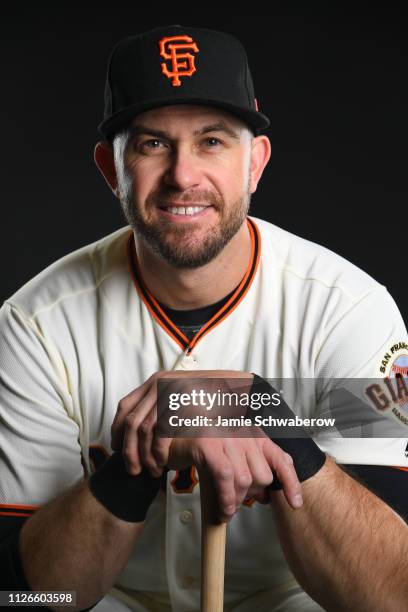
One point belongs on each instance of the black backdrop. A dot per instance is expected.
(334, 86)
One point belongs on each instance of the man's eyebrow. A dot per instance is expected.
(220, 126)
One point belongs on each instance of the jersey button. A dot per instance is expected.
(188, 362)
(186, 516)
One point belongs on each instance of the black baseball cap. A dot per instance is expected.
(178, 65)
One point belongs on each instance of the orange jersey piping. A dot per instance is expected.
(17, 510)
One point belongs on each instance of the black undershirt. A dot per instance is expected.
(191, 321)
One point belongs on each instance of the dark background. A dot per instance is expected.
(334, 86)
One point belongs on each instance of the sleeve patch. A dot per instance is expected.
(390, 395)
(395, 359)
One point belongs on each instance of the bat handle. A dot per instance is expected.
(213, 536)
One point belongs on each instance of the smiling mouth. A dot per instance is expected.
(183, 210)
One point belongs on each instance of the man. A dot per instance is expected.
(193, 288)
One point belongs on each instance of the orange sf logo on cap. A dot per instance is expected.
(170, 49)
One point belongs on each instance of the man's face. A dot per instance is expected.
(183, 177)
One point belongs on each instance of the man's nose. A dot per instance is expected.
(184, 170)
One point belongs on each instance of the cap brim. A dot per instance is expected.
(256, 120)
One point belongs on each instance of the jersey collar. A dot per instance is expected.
(165, 322)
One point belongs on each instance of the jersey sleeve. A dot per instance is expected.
(362, 366)
(40, 453)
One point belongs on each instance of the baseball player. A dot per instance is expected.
(91, 500)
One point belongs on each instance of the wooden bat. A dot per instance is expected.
(213, 536)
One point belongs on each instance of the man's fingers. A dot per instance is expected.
(243, 477)
(261, 472)
(160, 450)
(283, 466)
(222, 473)
(125, 406)
(130, 447)
(132, 424)
(252, 471)
(145, 434)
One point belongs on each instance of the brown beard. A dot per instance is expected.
(176, 244)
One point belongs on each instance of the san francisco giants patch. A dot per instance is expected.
(390, 394)
(395, 351)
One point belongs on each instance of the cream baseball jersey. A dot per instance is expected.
(86, 331)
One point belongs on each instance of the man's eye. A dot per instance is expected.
(146, 146)
(149, 143)
(213, 141)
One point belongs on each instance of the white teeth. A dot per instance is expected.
(189, 210)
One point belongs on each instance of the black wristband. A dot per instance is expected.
(307, 456)
(127, 497)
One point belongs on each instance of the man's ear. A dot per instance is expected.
(103, 156)
(261, 152)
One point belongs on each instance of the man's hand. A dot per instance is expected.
(240, 467)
